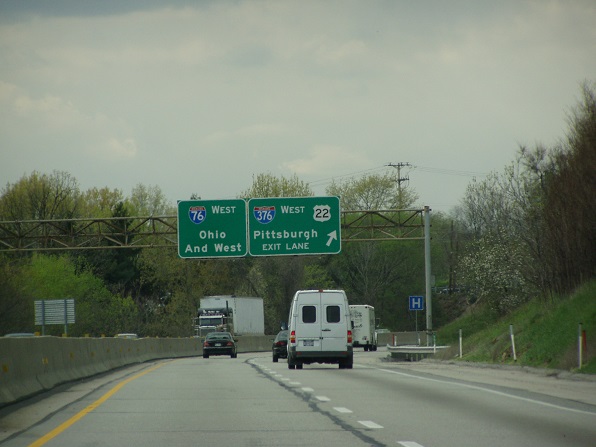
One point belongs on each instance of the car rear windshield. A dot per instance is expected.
(219, 336)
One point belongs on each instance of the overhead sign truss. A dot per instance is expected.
(162, 231)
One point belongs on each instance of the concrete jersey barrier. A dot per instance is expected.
(31, 365)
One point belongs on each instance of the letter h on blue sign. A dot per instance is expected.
(416, 303)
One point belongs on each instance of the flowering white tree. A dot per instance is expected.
(495, 269)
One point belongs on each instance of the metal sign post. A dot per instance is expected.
(416, 304)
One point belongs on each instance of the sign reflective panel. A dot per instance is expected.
(416, 303)
(212, 228)
(279, 226)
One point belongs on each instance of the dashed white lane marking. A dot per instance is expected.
(370, 424)
(342, 410)
(294, 383)
(409, 444)
(323, 398)
(307, 390)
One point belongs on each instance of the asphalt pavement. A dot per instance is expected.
(552, 382)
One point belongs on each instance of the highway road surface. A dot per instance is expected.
(251, 401)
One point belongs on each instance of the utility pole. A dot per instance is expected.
(400, 180)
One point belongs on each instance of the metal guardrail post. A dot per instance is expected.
(512, 342)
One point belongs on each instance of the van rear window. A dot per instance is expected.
(309, 314)
(333, 314)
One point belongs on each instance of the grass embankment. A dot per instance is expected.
(546, 333)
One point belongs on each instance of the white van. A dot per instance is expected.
(320, 329)
(363, 326)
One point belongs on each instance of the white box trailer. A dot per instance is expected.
(247, 313)
(363, 326)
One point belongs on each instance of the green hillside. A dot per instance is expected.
(546, 333)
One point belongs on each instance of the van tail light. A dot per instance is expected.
(349, 336)
(293, 337)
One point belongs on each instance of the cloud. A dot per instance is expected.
(253, 131)
(58, 120)
(120, 149)
(152, 90)
(324, 158)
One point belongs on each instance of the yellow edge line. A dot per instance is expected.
(55, 432)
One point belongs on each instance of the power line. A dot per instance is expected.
(351, 174)
(431, 170)
(444, 171)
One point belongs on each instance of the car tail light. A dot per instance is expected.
(206, 343)
(293, 337)
(349, 336)
(230, 343)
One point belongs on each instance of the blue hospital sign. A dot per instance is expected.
(416, 303)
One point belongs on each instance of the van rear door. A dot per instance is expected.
(321, 325)
(308, 322)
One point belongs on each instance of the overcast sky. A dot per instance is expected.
(198, 97)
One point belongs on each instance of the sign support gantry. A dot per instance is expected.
(112, 233)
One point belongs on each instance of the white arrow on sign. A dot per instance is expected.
(332, 236)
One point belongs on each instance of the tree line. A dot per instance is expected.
(524, 232)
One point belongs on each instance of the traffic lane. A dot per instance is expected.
(438, 411)
(19, 416)
(194, 401)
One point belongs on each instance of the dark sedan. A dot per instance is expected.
(280, 346)
(219, 343)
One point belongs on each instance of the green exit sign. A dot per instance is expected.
(280, 226)
(212, 228)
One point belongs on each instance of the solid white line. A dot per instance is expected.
(409, 444)
(488, 390)
(342, 410)
(370, 424)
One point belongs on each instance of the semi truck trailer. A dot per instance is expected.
(240, 315)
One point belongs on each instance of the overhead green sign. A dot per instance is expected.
(212, 228)
(280, 226)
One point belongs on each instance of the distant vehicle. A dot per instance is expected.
(126, 335)
(320, 329)
(219, 343)
(20, 334)
(280, 346)
(239, 315)
(363, 326)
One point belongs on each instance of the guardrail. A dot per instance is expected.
(413, 353)
(408, 346)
